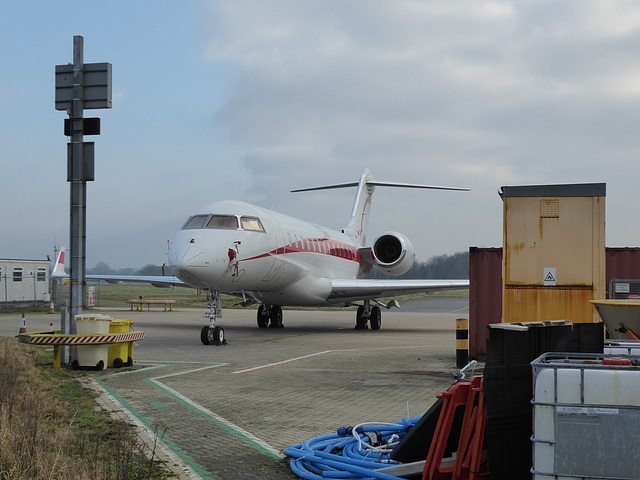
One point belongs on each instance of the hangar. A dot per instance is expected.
(24, 282)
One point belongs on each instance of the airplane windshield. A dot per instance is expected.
(229, 222)
(197, 221)
(223, 221)
(251, 223)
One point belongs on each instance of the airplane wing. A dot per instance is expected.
(159, 281)
(155, 280)
(351, 290)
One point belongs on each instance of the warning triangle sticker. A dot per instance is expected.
(549, 277)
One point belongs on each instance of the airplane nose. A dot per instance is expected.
(190, 261)
(186, 257)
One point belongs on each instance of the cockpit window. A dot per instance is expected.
(251, 223)
(227, 222)
(223, 221)
(197, 221)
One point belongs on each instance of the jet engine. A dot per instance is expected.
(393, 253)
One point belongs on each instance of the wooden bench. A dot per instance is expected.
(140, 303)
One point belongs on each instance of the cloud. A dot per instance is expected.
(221, 99)
(473, 93)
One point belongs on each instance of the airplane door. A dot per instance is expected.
(278, 252)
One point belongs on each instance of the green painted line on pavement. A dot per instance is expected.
(166, 440)
(226, 425)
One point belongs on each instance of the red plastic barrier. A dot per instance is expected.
(471, 458)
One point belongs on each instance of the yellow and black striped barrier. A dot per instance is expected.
(462, 342)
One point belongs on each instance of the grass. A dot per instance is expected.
(115, 295)
(50, 428)
(109, 295)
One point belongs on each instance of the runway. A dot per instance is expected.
(229, 411)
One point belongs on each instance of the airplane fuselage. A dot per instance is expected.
(239, 248)
(266, 257)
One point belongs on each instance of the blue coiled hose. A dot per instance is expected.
(348, 453)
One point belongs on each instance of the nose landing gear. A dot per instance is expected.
(212, 334)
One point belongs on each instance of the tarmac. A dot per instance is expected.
(227, 412)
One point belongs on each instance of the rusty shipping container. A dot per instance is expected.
(485, 296)
(485, 293)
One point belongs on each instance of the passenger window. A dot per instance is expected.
(229, 222)
(251, 223)
(197, 221)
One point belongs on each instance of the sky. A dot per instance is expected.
(250, 99)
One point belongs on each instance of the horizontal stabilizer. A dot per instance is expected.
(358, 221)
(377, 183)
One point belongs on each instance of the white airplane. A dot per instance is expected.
(266, 257)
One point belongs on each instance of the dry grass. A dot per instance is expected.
(49, 428)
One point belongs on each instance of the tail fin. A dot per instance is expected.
(357, 226)
(359, 220)
(58, 268)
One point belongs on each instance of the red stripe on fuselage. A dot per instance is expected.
(322, 246)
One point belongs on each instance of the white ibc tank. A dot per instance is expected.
(93, 356)
(621, 348)
(586, 416)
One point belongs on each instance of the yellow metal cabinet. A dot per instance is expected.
(554, 252)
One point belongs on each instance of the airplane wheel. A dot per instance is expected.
(263, 318)
(361, 322)
(276, 317)
(218, 336)
(204, 335)
(376, 318)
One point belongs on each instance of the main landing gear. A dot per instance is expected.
(269, 316)
(368, 313)
(212, 335)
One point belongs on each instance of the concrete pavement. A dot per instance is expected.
(229, 411)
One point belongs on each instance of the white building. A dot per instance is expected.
(23, 281)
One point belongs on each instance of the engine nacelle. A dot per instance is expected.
(393, 253)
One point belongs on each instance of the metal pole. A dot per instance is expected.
(64, 349)
(78, 187)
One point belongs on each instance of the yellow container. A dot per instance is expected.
(92, 356)
(120, 353)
